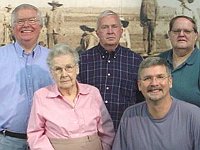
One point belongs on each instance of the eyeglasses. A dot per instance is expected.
(185, 31)
(67, 68)
(30, 21)
(105, 27)
(158, 78)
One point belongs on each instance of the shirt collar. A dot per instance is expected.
(105, 53)
(190, 60)
(82, 89)
(20, 50)
(54, 92)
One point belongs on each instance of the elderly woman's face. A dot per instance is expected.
(65, 71)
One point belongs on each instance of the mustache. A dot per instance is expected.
(152, 88)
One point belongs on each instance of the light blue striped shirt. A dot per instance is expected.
(21, 75)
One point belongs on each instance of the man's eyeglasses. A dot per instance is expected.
(178, 31)
(158, 78)
(67, 68)
(30, 21)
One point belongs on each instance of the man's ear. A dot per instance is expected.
(139, 85)
(97, 33)
(77, 69)
(170, 82)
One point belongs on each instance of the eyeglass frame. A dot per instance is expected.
(159, 78)
(30, 21)
(68, 68)
(185, 31)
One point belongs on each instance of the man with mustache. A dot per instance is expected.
(111, 67)
(184, 59)
(162, 122)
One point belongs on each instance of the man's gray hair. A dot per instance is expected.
(14, 13)
(59, 50)
(153, 61)
(107, 13)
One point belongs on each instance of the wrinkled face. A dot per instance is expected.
(155, 83)
(182, 35)
(64, 72)
(27, 28)
(109, 31)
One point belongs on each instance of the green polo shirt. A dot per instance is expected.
(186, 77)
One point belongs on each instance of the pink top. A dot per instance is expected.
(53, 117)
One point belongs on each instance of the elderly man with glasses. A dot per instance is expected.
(23, 71)
(184, 59)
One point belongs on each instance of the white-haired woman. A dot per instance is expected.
(68, 114)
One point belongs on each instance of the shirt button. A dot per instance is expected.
(106, 101)
(103, 56)
(107, 88)
(108, 61)
(108, 74)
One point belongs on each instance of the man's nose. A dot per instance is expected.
(26, 23)
(110, 30)
(154, 80)
(182, 33)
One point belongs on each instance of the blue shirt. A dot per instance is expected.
(114, 74)
(21, 75)
(186, 77)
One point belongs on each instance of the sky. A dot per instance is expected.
(90, 3)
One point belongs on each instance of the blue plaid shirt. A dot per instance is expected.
(114, 74)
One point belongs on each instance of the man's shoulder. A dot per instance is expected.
(44, 49)
(136, 109)
(187, 107)
(189, 112)
(90, 52)
(87, 88)
(165, 54)
(130, 53)
(6, 49)
(197, 52)
(7, 46)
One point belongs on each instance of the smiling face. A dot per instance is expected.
(27, 32)
(155, 83)
(109, 31)
(182, 35)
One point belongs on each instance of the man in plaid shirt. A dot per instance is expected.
(111, 67)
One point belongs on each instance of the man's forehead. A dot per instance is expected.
(155, 69)
(183, 21)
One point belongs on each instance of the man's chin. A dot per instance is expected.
(111, 43)
(154, 97)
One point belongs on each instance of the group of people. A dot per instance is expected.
(58, 99)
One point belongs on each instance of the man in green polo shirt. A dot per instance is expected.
(184, 59)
